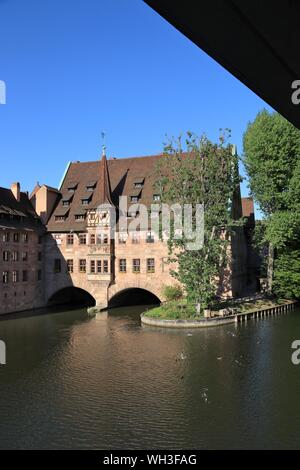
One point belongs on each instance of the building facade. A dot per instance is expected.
(21, 252)
(57, 242)
(79, 248)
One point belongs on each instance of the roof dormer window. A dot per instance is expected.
(138, 182)
(72, 186)
(91, 185)
(86, 199)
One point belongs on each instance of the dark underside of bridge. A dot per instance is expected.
(256, 40)
(134, 296)
(72, 296)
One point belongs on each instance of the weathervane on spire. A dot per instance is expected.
(103, 143)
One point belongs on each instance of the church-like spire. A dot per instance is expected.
(105, 190)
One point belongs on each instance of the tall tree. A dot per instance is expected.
(271, 158)
(205, 173)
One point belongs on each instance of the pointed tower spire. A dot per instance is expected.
(105, 190)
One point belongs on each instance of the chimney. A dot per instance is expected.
(15, 189)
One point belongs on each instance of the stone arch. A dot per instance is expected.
(71, 295)
(129, 287)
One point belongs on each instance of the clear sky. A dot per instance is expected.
(75, 68)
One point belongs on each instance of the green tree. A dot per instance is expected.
(271, 159)
(205, 173)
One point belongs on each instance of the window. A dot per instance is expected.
(156, 197)
(59, 218)
(57, 265)
(15, 276)
(91, 185)
(93, 266)
(5, 255)
(122, 238)
(85, 202)
(134, 198)
(105, 266)
(5, 237)
(70, 239)
(79, 217)
(25, 237)
(39, 256)
(105, 238)
(5, 277)
(135, 238)
(82, 265)
(99, 266)
(25, 276)
(122, 265)
(15, 255)
(65, 203)
(82, 239)
(150, 237)
(150, 265)
(92, 239)
(24, 256)
(70, 265)
(72, 186)
(138, 185)
(136, 265)
(39, 275)
(16, 237)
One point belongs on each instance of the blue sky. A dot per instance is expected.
(76, 68)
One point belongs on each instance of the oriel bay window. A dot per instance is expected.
(122, 265)
(105, 266)
(82, 265)
(150, 265)
(96, 266)
(93, 266)
(136, 265)
(99, 266)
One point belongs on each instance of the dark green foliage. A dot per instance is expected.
(272, 161)
(172, 292)
(205, 173)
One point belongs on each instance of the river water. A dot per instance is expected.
(107, 382)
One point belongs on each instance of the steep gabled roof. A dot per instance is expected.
(9, 206)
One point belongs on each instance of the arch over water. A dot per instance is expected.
(72, 295)
(133, 296)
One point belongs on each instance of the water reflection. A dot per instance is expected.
(107, 382)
